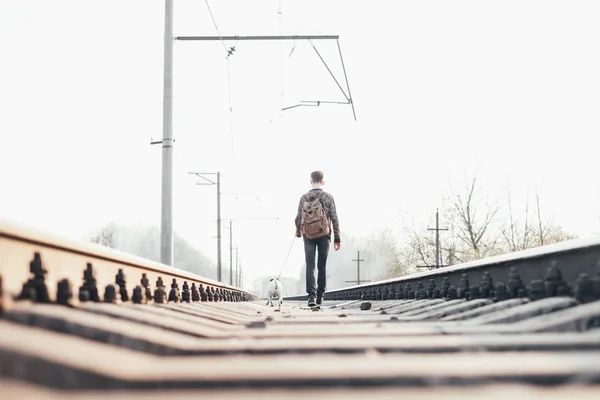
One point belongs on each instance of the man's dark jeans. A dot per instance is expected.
(321, 247)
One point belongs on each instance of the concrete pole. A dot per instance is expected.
(219, 268)
(437, 239)
(231, 252)
(166, 227)
(237, 270)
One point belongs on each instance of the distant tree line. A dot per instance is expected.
(481, 225)
(144, 241)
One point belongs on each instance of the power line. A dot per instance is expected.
(215, 23)
(229, 52)
(269, 13)
(281, 78)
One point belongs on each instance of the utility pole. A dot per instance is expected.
(231, 251)
(166, 225)
(437, 230)
(241, 277)
(437, 237)
(358, 260)
(218, 183)
(237, 263)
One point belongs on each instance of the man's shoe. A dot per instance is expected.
(319, 299)
(311, 301)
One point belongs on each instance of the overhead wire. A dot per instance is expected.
(229, 52)
(287, 20)
(215, 24)
(281, 77)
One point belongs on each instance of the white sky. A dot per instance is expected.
(439, 87)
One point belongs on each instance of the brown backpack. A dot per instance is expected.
(314, 223)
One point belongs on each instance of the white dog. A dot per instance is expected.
(275, 292)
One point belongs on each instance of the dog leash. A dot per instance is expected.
(286, 257)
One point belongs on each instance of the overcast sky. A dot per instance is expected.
(440, 88)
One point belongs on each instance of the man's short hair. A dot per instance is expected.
(316, 176)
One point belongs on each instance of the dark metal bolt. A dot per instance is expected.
(501, 292)
(174, 295)
(584, 290)
(110, 294)
(452, 293)
(463, 287)
(445, 286)
(186, 296)
(410, 294)
(537, 291)
(35, 288)
(195, 292)
(146, 284)
(553, 279)
(400, 293)
(137, 297)
(430, 288)
(64, 293)
(514, 283)
(391, 292)
(120, 280)
(486, 286)
(160, 294)
(384, 293)
(89, 291)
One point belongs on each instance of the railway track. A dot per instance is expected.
(83, 321)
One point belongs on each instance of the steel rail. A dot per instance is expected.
(61, 265)
(569, 263)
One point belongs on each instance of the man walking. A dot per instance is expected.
(315, 217)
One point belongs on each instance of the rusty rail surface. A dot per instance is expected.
(46, 268)
(65, 335)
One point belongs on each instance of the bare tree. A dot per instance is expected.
(419, 247)
(532, 230)
(105, 236)
(547, 232)
(539, 216)
(477, 230)
(517, 234)
(472, 218)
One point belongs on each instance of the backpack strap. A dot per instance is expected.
(307, 197)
